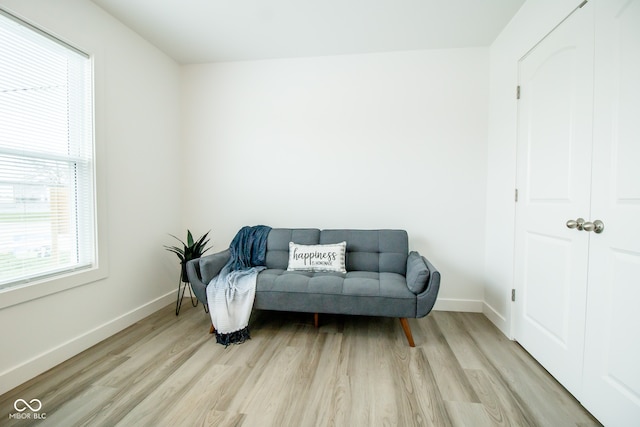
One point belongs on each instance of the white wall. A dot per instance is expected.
(138, 127)
(392, 140)
(534, 20)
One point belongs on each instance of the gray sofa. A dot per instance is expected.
(383, 278)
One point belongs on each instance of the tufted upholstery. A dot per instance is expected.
(278, 244)
(367, 250)
(372, 250)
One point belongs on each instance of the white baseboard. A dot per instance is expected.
(444, 304)
(47, 360)
(475, 306)
(497, 319)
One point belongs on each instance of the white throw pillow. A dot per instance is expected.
(317, 257)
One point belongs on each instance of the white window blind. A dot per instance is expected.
(47, 214)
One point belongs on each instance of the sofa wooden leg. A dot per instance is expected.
(316, 320)
(212, 329)
(407, 331)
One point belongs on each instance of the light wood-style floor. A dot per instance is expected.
(352, 371)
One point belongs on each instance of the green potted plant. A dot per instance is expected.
(191, 249)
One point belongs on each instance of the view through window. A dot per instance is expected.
(47, 214)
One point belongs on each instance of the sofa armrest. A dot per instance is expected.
(210, 265)
(427, 298)
(195, 280)
(200, 271)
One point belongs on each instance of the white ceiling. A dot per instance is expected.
(202, 31)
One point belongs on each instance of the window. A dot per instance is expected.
(47, 200)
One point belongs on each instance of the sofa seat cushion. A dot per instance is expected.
(356, 292)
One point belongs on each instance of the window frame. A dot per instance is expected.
(44, 285)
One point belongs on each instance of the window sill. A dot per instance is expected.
(41, 288)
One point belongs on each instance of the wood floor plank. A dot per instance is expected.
(464, 414)
(495, 392)
(141, 359)
(199, 402)
(360, 374)
(137, 385)
(73, 411)
(459, 340)
(450, 376)
(173, 389)
(54, 392)
(298, 392)
(326, 390)
(382, 376)
(351, 371)
(541, 396)
(417, 393)
(499, 406)
(271, 391)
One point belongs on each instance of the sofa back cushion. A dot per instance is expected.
(383, 251)
(278, 244)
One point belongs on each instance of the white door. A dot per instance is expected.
(612, 351)
(553, 180)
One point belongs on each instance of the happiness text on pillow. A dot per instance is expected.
(315, 257)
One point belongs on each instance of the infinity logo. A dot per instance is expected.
(37, 405)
